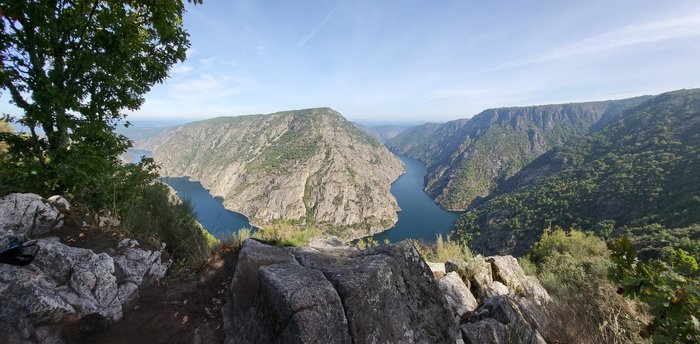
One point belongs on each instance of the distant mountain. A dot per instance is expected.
(383, 132)
(637, 175)
(142, 129)
(305, 167)
(468, 158)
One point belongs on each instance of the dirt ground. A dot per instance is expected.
(183, 307)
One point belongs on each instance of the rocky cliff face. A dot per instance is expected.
(637, 171)
(467, 159)
(330, 293)
(309, 166)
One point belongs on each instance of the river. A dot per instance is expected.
(420, 217)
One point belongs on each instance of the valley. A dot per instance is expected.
(507, 167)
(307, 168)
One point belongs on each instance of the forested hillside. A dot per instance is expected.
(467, 159)
(638, 175)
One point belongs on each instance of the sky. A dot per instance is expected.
(413, 60)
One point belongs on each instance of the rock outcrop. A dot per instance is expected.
(494, 302)
(335, 294)
(331, 293)
(311, 166)
(64, 284)
(26, 215)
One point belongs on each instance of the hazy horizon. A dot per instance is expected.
(421, 61)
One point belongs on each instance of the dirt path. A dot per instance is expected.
(181, 309)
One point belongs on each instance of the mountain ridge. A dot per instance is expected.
(634, 175)
(468, 158)
(306, 167)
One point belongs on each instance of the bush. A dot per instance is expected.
(670, 287)
(152, 215)
(573, 267)
(443, 249)
(365, 242)
(285, 233)
(236, 239)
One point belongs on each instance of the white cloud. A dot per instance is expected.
(181, 70)
(206, 89)
(316, 29)
(209, 61)
(655, 31)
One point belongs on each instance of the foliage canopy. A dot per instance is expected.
(73, 68)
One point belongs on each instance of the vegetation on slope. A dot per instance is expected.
(636, 172)
(467, 159)
(307, 167)
(573, 266)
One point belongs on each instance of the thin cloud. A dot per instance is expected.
(181, 70)
(206, 87)
(208, 62)
(661, 30)
(318, 27)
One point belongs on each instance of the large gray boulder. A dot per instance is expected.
(520, 317)
(64, 284)
(294, 304)
(26, 214)
(507, 270)
(457, 294)
(386, 294)
(488, 331)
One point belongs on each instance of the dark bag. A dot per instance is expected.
(19, 253)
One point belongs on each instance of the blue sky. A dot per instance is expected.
(425, 60)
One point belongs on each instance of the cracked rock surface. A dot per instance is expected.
(64, 284)
(385, 294)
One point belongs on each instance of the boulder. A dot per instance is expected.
(133, 264)
(507, 270)
(294, 304)
(60, 203)
(27, 215)
(65, 284)
(387, 293)
(488, 331)
(438, 269)
(507, 310)
(457, 294)
(480, 277)
(492, 289)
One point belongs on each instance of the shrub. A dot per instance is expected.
(152, 216)
(366, 242)
(573, 267)
(670, 287)
(443, 249)
(285, 233)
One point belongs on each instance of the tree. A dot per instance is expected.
(74, 68)
(4, 128)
